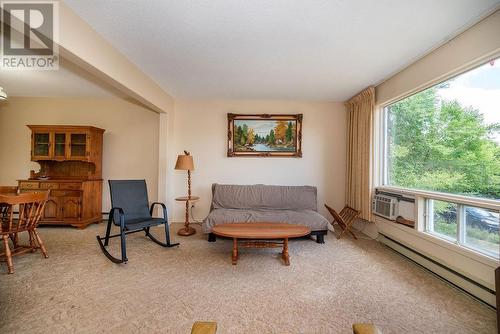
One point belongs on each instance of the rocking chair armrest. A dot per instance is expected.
(164, 209)
(121, 214)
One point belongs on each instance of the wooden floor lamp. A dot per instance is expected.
(185, 162)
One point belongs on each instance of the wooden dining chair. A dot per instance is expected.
(31, 207)
(344, 219)
(6, 190)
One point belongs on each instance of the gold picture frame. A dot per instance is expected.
(264, 135)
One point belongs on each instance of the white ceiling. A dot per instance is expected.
(266, 49)
(279, 49)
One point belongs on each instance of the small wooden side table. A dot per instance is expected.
(187, 230)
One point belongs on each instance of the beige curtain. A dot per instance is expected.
(359, 141)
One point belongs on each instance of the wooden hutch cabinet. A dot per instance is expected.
(70, 159)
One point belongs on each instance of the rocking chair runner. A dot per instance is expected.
(344, 219)
(129, 201)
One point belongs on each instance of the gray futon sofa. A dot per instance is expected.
(264, 203)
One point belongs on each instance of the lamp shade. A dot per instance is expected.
(184, 162)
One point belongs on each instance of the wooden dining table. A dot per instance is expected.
(30, 207)
(6, 191)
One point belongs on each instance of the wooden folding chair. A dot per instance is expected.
(344, 219)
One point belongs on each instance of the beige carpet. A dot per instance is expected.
(326, 289)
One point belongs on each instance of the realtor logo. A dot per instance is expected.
(30, 31)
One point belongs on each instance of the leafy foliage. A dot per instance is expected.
(289, 132)
(442, 146)
(280, 131)
(272, 138)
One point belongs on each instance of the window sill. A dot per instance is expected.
(471, 254)
(454, 243)
(472, 201)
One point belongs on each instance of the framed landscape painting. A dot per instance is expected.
(264, 135)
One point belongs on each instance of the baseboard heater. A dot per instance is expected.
(465, 284)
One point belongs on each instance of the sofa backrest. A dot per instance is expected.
(260, 196)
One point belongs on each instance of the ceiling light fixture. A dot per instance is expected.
(3, 94)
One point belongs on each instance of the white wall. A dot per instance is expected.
(201, 128)
(130, 148)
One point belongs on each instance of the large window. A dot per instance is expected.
(447, 137)
(468, 226)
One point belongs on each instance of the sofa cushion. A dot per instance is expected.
(309, 218)
(261, 196)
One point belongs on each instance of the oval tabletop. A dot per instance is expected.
(260, 230)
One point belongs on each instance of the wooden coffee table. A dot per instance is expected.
(261, 235)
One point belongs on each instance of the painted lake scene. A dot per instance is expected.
(265, 135)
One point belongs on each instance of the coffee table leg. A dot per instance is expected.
(235, 251)
(285, 255)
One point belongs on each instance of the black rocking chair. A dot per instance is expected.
(129, 201)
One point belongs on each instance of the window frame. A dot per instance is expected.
(461, 220)
(383, 118)
(420, 220)
(429, 226)
(385, 147)
(381, 176)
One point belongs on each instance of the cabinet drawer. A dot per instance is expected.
(49, 185)
(28, 185)
(70, 186)
(65, 193)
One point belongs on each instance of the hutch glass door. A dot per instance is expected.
(78, 146)
(59, 145)
(41, 144)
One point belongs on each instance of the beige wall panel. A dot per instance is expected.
(201, 128)
(130, 141)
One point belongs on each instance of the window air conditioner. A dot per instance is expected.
(385, 206)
